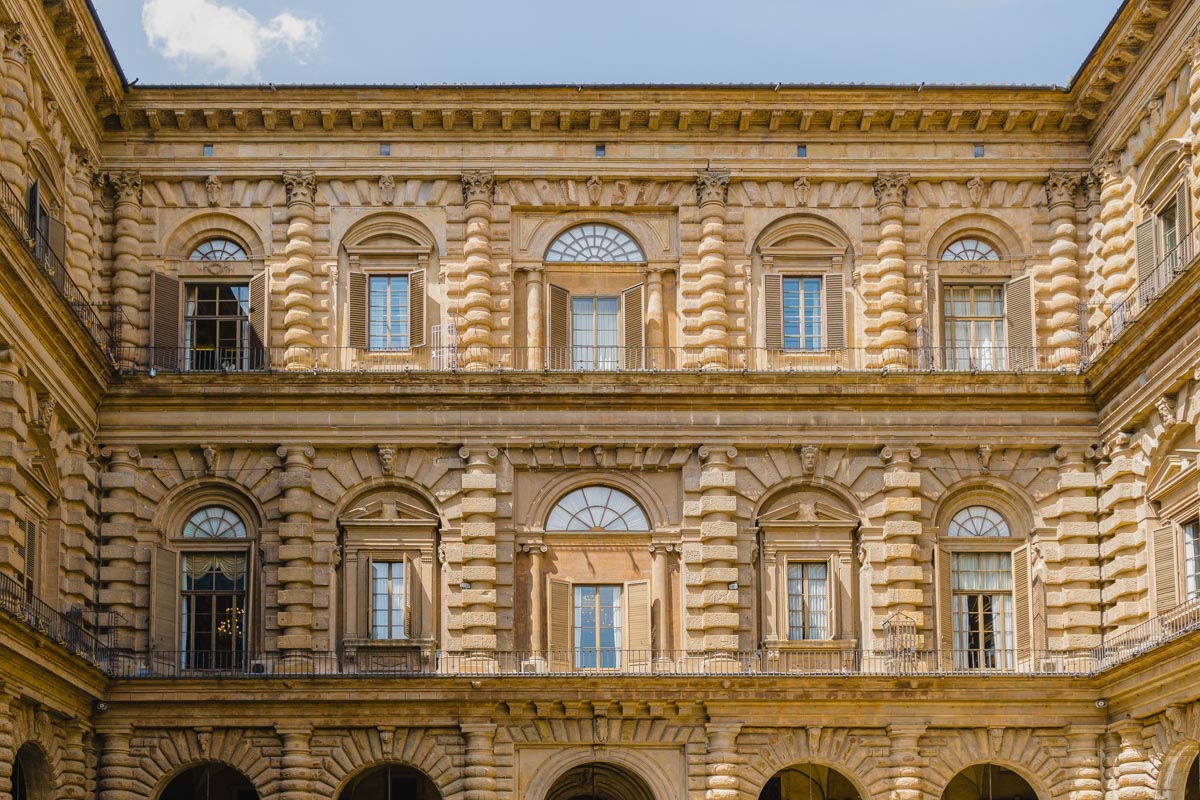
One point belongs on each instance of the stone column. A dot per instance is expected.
(905, 764)
(1192, 49)
(1116, 244)
(8, 745)
(660, 574)
(535, 338)
(1083, 763)
(1133, 770)
(1123, 562)
(1075, 553)
(479, 550)
(13, 433)
(655, 315)
(537, 584)
(74, 762)
(14, 114)
(129, 287)
(296, 554)
(1058, 285)
(115, 773)
(296, 764)
(886, 289)
(78, 507)
(299, 284)
(480, 783)
(722, 767)
(712, 190)
(118, 539)
(81, 173)
(476, 309)
(718, 603)
(899, 583)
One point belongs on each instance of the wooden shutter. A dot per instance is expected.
(560, 630)
(416, 309)
(31, 556)
(835, 311)
(1018, 310)
(558, 323)
(773, 311)
(409, 573)
(58, 246)
(165, 321)
(1146, 257)
(1166, 570)
(33, 208)
(1022, 613)
(945, 604)
(1183, 226)
(633, 325)
(356, 311)
(260, 319)
(637, 639)
(164, 600)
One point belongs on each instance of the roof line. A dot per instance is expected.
(112, 53)
(1112, 23)
(605, 86)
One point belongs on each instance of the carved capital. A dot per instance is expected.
(715, 456)
(476, 454)
(296, 455)
(899, 454)
(16, 46)
(85, 167)
(1108, 167)
(300, 187)
(712, 187)
(534, 548)
(121, 456)
(127, 186)
(1191, 46)
(1062, 187)
(479, 186)
(891, 188)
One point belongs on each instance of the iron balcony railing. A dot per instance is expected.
(101, 321)
(1150, 634)
(582, 360)
(69, 630)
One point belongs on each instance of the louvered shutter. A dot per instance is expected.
(58, 250)
(1183, 227)
(164, 600)
(416, 309)
(633, 326)
(260, 319)
(165, 322)
(560, 639)
(1147, 257)
(773, 311)
(31, 557)
(1166, 570)
(559, 328)
(638, 641)
(253, 571)
(356, 311)
(409, 572)
(1018, 309)
(835, 311)
(945, 605)
(1022, 613)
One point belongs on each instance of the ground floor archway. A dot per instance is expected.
(809, 782)
(390, 782)
(209, 782)
(1191, 788)
(988, 782)
(31, 778)
(599, 781)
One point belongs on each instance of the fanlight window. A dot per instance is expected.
(219, 250)
(214, 522)
(978, 521)
(597, 508)
(594, 244)
(970, 250)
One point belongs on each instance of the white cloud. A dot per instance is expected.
(224, 37)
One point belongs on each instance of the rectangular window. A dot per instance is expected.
(1191, 555)
(216, 322)
(983, 617)
(808, 600)
(803, 314)
(975, 327)
(214, 610)
(594, 337)
(597, 627)
(387, 314)
(387, 600)
(1168, 221)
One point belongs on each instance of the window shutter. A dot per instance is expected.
(1022, 614)
(1146, 257)
(835, 311)
(409, 572)
(31, 556)
(559, 328)
(634, 326)
(58, 246)
(164, 326)
(1183, 225)
(1018, 311)
(33, 207)
(945, 605)
(416, 310)
(773, 311)
(164, 600)
(1166, 595)
(356, 311)
(560, 628)
(260, 318)
(638, 641)
(253, 570)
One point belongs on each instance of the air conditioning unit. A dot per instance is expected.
(260, 667)
(1049, 665)
(533, 666)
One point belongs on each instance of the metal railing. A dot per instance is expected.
(1150, 286)
(69, 630)
(1148, 635)
(584, 360)
(99, 320)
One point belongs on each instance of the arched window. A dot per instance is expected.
(594, 243)
(597, 508)
(213, 600)
(214, 522)
(219, 249)
(970, 249)
(978, 521)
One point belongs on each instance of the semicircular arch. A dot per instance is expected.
(1159, 168)
(388, 226)
(1014, 752)
(799, 231)
(842, 495)
(1010, 500)
(653, 775)
(421, 749)
(636, 487)
(990, 229)
(185, 499)
(845, 754)
(194, 230)
(175, 751)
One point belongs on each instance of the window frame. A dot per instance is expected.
(598, 363)
(243, 350)
(798, 559)
(1191, 559)
(406, 571)
(597, 652)
(390, 275)
(997, 358)
(822, 310)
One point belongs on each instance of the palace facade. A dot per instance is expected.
(614, 442)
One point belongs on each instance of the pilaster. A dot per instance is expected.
(117, 769)
(8, 745)
(712, 190)
(129, 288)
(713, 568)
(479, 549)
(535, 331)
(118, 538)
(1057, 286)
(655, 315)
(1123, 562)
(81, 172)
(1192, 49)
(74, 761)
(722, 763)
(481, 756)
(299, 284)
(477, 302)
(906, 765)
(1116, 243)
(77, 504)
(296, 764)
(13, 117)
(886, 288)
(13, 433)
(1133, 770)
(1083, 763)
(901, 581)
(296, 552)
(1074, 556)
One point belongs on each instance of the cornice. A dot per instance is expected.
(1112, 60)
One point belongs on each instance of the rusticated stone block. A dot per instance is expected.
(900, 505)
(901, 480)
(483, 481)
(717, 505)
(718, 479)
(479, 505)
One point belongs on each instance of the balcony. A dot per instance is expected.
(69, 630)
(610, 360)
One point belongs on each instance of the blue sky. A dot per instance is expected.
(603, 41)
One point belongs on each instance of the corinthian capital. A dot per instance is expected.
(1061, 187)
(300, 187)
(127, 186)
(891, 188)
(712, 187)
(479, 186)
(16, 46)
(1108, 167)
